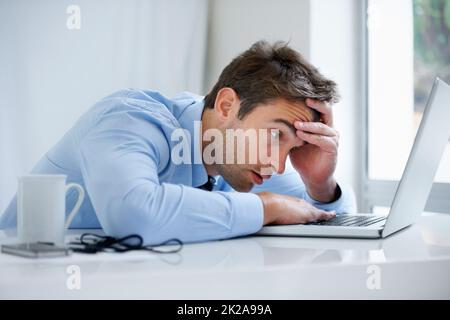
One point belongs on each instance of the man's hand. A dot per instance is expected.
(282, 209)
(316, 160)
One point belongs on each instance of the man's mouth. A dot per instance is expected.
(258, 178)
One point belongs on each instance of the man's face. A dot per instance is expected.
(278, 115)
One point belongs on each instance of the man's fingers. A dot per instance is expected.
(320, 215)
(330, 215)
(329, 144)
(316, 127)
(322, 107)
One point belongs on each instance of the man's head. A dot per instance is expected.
(265, 87)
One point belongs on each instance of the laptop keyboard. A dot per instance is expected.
(349, 220)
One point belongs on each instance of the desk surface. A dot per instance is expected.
(414, 263)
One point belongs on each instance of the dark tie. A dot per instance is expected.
(208, 186)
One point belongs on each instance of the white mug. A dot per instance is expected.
(41, 208)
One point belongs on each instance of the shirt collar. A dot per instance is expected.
(187, 120)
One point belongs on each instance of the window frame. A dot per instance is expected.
(381, 192)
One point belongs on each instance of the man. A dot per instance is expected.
(124, 153)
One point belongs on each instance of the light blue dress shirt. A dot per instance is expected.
(119, 151)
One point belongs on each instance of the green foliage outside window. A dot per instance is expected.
(431, 46)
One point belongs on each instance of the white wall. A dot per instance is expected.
(234, 25)
(335, 48)
(50, 75)
(325, 31)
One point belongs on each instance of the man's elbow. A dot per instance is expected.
(124, 216)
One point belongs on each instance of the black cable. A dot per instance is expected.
(93, 243)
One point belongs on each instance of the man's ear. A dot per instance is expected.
(227, 104)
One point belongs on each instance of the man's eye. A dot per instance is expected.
(275, 134)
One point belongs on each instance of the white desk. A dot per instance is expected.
(414, 263)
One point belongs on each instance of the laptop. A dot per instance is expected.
(412, 191)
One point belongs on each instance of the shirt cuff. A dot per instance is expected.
(248, 211)
(341, 205)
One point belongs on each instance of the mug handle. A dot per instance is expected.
(77, 204)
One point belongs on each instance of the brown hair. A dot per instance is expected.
(266, 72)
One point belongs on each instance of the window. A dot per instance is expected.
(407, 46)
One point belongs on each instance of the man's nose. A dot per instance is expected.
(281, 161)
(276, 164)
(281, 167)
